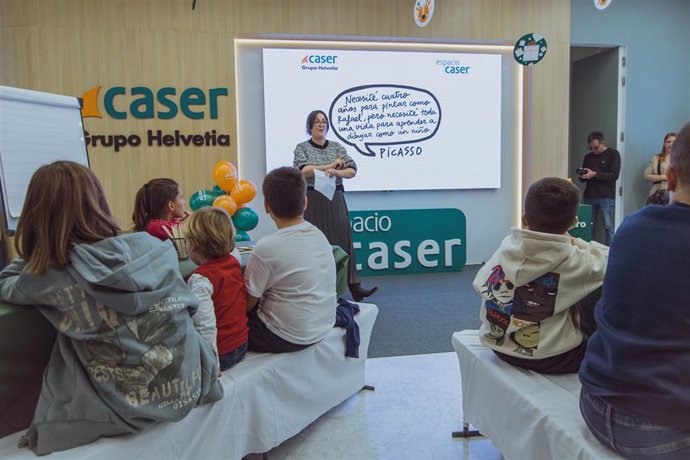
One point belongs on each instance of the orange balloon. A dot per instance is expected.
(225, 175)
(227, 203)
(243, 192)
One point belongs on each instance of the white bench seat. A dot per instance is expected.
(525, 414)
(268, 399)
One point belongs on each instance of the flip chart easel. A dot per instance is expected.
(36, 128)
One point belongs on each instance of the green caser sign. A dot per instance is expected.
(409, 241)
(583, 229)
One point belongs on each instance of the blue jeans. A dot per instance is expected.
(235, 356)
(631, 436)
(608, 211)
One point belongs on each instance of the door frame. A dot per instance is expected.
(620, 113)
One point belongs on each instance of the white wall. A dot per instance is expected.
(656, 37)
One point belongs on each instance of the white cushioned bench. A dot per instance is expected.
(525, 414)
(268, 399)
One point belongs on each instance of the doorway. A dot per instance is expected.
(597, 103)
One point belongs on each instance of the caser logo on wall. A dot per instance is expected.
(143, 103)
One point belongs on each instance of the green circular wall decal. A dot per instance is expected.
(530, 49)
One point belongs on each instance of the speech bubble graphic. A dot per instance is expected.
(384, 114)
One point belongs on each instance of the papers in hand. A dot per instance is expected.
(324, 184)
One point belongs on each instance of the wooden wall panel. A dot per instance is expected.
(69, 46)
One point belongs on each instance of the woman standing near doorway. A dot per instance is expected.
(656, 172)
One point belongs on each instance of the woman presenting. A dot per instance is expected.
(330, 216)
(656, 170)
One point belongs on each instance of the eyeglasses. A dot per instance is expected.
(320, 122)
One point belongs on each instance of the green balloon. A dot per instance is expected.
(242, 236)
(201, 199)
(218, 191)
(245, 219)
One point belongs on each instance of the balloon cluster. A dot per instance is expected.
(232, 195)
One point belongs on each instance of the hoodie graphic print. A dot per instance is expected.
(528, 288)
(126, 355)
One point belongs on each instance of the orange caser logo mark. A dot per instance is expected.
(90, 100)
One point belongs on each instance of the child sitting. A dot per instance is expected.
(218, 283)
(532, 285)
(290, 275)
(121, 311)
(158, 206)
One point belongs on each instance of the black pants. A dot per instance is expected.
(262, 339)
(333, 219)
(565, 363)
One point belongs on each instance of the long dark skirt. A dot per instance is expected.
(332, 218)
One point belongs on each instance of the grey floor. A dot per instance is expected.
(419, 313)
(417, 403)
(416, 406)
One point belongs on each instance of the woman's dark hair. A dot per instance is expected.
(284, 191)
(312, 117)
(65, 205)
(151, 201)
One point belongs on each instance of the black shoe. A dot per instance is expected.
(359, 293)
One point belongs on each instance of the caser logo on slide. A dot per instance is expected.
(316, 62)
(145, 104)
(319, 59)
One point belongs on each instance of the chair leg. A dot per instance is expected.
(466, 432)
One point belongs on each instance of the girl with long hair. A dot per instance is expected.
(126, 354)
(158, 206)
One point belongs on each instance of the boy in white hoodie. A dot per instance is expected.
(533, 287)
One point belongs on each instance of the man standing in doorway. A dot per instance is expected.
(601, 168)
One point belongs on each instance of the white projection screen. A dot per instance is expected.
(476, 153)
(411, 120)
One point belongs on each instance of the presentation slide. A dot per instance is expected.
(410, 120)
